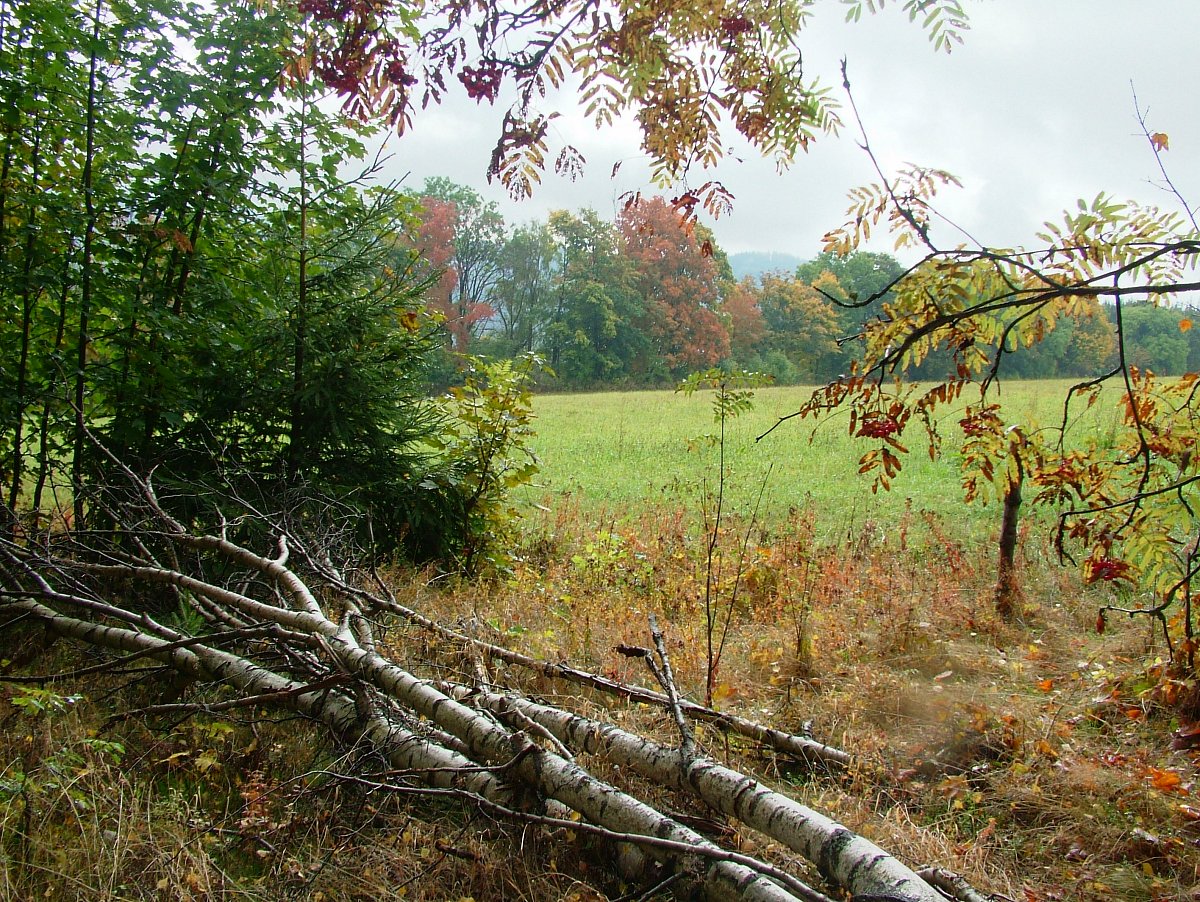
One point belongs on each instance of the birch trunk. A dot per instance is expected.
(843, 857)
(549, 774)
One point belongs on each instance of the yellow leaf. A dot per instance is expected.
(1159, 141)
(723, 692)
(1185, 324)
(206, 761)
(1046, 749)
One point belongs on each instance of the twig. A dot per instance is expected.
(112, 666)
(526, 723)
(687, 742)
(641, 894)
(1141, 114)
(248, 701)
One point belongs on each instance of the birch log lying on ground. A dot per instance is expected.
(306, 644)
(845, 859)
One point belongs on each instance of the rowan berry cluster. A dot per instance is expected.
(878, 427)
(975, 426)
(483, 81)
(343, 72)
(397, 73)
(735, 25)
(1106, 569)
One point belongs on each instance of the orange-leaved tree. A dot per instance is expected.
(678, 280)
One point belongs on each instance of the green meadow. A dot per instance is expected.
(612, 452)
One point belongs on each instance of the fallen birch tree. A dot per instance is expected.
(288, 630)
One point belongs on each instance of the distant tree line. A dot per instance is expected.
(644, 300)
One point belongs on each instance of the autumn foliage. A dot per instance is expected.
(678, 283)
(1125, 503)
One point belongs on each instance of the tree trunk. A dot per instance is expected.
(91, 218)
(1008, 590)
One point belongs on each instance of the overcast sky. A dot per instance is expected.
(1033, 111)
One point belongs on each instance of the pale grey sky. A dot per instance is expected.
(1034, 111)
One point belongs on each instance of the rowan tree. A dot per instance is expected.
(1125, 502)
(683, 72)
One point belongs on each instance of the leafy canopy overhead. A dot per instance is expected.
(682, 69)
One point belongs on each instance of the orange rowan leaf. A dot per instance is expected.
(1164, 780)
(1185, 324)
(1160, 141)
(1045, 685)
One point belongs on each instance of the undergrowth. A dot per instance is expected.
(1034, 758)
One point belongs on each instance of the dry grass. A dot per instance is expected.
(1033, 758)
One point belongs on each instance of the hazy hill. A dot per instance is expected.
(755, 263)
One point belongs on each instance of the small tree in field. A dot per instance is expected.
(1127, 509)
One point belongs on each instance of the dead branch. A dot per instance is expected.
(687, 742)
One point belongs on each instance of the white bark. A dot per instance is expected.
(402, 748)
(489, 743)
(843, 857)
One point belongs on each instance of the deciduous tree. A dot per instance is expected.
(678, 280)
(682, 72)
(523, 290)
(1126, 503)
(744, 320)
(802, 323)
(477, 233)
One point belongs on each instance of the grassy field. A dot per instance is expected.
(616, 451)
